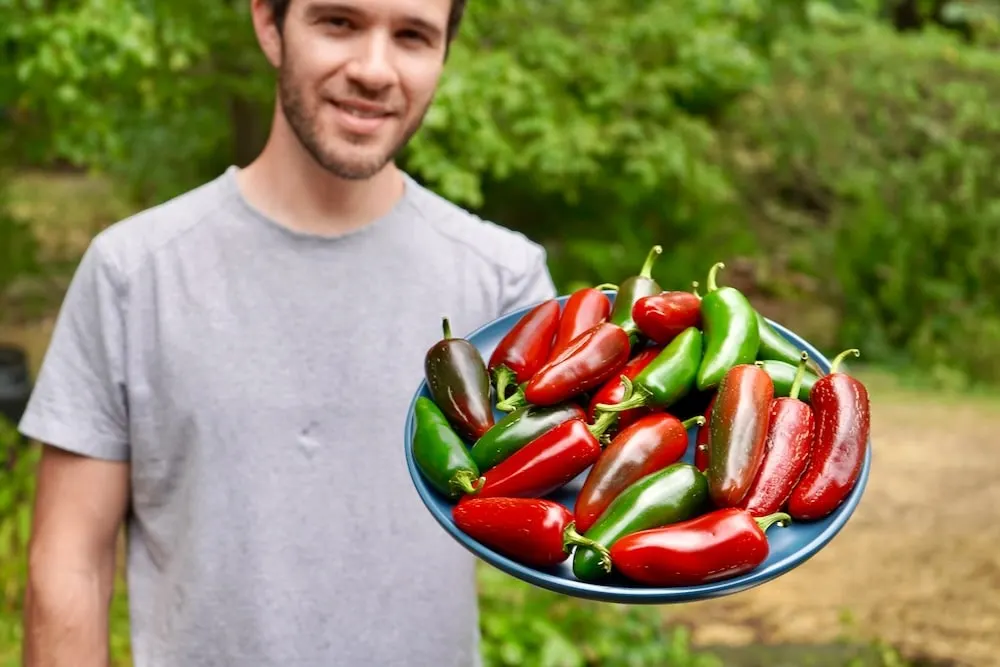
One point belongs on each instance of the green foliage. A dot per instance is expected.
(870, 160)
(589, 124)
(18, 462)
(17, 489)
(524, 626)
(140, 90)
(18, 245)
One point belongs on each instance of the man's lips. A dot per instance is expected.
(361, 118)
(363, 109)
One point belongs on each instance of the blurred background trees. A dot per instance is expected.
(843, 149)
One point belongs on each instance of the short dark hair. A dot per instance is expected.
(280, 8)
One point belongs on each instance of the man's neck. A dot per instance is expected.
(286, 184)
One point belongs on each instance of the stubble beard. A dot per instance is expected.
(305, 124)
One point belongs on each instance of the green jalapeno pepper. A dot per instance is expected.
(732, 336)
(518, 429)
(667, 379)
(441, 455)
(783, 375)
(670, 495)
(631, 290)
(775, 347)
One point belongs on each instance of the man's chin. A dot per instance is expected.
(356, 168)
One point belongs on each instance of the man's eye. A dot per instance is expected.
(411, 35)
(338, 22)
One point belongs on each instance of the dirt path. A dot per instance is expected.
(919, 564)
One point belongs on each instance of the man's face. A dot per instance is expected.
(357, 76)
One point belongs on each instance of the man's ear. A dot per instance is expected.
(268, 35)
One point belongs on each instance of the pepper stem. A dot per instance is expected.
(840, 357)
(604, 286)
(603, 422)
(799, 374)
(694, 421)
(467, 482)
(513, 402)
(694, 288)
(766, 522)
(502, 377)
(572, 537)
(635, 397)
(647, 267)
(713, 274)
(446, 327)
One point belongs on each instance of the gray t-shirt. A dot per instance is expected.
(258, 379)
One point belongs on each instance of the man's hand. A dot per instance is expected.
(79, 507)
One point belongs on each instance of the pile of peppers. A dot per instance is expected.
(621, 395)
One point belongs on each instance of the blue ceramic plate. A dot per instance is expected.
(790, 546)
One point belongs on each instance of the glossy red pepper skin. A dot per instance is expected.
(546, 463)
(525, 348)
(721, 544)
(738, 432)
(843, 424)
(532, 531)
(661, 317)
(647, 445)
(786, 452)
(590, 360)
(613, 390)
(701, 441)
(584, 309)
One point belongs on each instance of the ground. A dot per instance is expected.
(917, 566)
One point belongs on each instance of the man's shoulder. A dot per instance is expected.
(501, 247)
(129, 242)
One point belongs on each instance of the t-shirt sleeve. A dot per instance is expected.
(79, 400)
(530, 284)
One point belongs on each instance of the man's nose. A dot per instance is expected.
(372, 65)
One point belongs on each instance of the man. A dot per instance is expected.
(230, 373)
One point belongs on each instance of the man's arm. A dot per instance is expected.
(79, 506)
(79, 408)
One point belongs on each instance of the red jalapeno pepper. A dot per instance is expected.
(613, 390)
(590, 360)
(721, 544)
(665, 380)
(518, 429)
(459, 383)
(584, 309)
(786, 450)
(662, 317)
(843, 422)
(647, 445)
(738, 432)
(534, 531)
(546, 463)
(525, 348)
